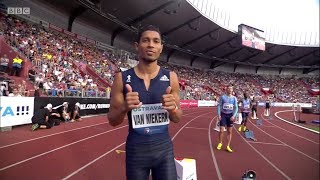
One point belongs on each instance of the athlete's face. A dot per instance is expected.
(229, 90)
(149, 46)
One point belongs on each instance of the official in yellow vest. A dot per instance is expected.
(16, 66)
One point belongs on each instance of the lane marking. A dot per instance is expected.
(91, 162)
(311, 130)
(290, 131)
(265, 158)
(266, 143)
(190, 127)
(41, 137)
(61, 147)
(214, 159)
(285, 144)
(85, 166)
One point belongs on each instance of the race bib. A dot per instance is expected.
(149, 115)
(227, 106)
(246, 106)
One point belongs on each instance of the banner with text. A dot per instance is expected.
(188, 103)
(87, 105)
(203, 103)
(16, 110)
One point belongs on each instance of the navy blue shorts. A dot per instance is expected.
(267, 105)
(226, 120)
(245, 115)
(157, 157)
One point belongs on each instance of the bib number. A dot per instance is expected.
(227, 106)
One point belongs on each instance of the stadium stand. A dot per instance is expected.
(68, 67)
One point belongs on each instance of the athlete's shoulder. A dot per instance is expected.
(127, 71)
(165, 70)
(172, 75)
(234, 97)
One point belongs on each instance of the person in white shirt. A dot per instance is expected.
(4, 61)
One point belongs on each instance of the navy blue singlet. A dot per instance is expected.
(149, 146)
(153, 95)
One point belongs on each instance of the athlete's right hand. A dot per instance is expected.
(132, 99)
(219, 118)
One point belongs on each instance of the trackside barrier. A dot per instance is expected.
(204, 103)
(19, 110)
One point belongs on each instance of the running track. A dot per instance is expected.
(86, 150)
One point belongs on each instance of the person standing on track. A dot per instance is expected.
(149, 95)
(245, 110)
(267, 110)
(254, 107)
(227, 111)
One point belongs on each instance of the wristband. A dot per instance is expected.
(175, 109)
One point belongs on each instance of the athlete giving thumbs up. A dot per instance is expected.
(149, 96)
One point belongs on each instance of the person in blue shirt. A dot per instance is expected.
(227, 111)
(149, 95)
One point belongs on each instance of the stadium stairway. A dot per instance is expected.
(212, 90)
(12, 53)
(304, 84)
(86, 70)
(255, 82)
(26, 64)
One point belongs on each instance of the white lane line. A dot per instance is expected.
(212, 153)
(257, 142)
(286, 144)
(265, 158)
(91, 162)
(311, 130)
(266, 126)
(41, 137)
(56, 149)
(290, 131)
(187, 124)
(190, 127)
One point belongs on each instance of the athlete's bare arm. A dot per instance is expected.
(117, 111)
(175, 115)
(120, 105)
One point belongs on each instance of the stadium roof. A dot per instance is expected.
(187, 33)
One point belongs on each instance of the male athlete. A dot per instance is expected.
(149, 95)
(254, 107)
(227, 111)
(267, 110)
(245, 110)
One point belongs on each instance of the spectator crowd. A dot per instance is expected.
(58, 63)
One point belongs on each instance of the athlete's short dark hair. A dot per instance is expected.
(148, 28)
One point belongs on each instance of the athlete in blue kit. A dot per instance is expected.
(227, 111)
(148, 95)
(245, 111)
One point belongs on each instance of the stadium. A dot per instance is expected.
(159, 89)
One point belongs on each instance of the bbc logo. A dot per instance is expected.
(18, 10)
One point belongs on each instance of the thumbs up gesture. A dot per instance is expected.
(168, 100)
(132, 99)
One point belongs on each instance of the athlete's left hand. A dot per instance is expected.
(232, 118)
(168, 100)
